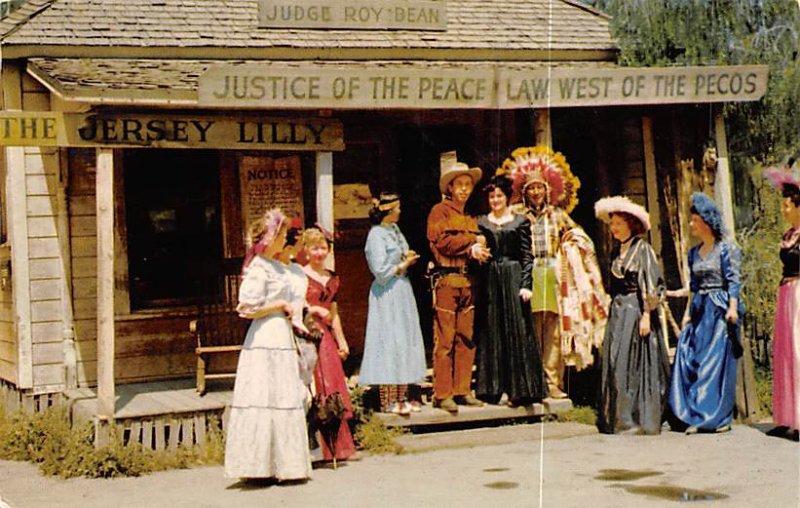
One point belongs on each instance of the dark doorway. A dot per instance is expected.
(173, 221)
(417, 171)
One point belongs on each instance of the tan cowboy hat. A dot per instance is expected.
(450, 169)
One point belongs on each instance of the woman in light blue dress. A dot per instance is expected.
(393, 349)
(703, 387)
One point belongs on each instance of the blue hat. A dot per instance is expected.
(708, 210)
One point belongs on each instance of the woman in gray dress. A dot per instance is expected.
(635, 365)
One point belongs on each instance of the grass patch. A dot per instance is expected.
(46, 439)
(763, 377)
(370, 432)
(578, 414)
(377, 438)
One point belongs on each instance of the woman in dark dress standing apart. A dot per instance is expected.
(323, 286)
(508, 359)
(635, 365)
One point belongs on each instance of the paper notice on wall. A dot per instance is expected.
(267, 183)
(351, 201)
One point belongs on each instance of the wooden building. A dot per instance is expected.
(140, 136)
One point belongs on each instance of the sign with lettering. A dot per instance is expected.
(353, 14)
(372, 88)
(625, 85)
(266, 182)
(186, 131)
(28, 128)
(169, 131)
(470, 86)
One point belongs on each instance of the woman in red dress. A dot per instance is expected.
(323, 285)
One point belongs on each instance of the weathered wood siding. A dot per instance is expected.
(46, 268)
(149, 345)
(45, 255)
(8, 336)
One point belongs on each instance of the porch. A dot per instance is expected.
(159, 415)
(167, 414)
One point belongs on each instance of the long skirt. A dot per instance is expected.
(329, 378)
(393, 347)
(786, 357)
(703, 387)
(266, 434)
(508, 359)
(634, 371)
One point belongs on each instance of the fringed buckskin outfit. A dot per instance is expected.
(451, 235)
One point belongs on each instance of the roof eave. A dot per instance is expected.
(321, 53)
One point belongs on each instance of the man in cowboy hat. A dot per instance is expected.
(549, 223)
(454, 239)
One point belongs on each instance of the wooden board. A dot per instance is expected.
(353, 14)
(489, 86)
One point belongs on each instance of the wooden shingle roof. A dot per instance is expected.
(478, 25)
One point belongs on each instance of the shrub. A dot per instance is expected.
(760, 267)
(376, 438)
(47, 439)
(578, 414)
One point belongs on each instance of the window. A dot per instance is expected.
(172, 206)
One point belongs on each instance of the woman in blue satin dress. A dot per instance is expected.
(703, 386)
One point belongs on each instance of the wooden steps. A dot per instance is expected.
(431, 419)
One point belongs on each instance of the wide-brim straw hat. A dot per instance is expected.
(604, 207)
(451, 169)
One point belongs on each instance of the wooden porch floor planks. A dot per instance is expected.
(141, 400)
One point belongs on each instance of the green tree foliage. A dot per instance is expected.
(732, 32)
(723, 32)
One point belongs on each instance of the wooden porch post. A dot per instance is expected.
(722, 182)
(17, 206)
(746, 399)
(324, 179)
(105, 285)
(544, 135)
(648, 149)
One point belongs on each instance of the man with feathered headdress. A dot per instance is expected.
(566, 281)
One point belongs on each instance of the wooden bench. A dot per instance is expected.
(218, 327)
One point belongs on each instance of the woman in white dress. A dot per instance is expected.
(266, 433)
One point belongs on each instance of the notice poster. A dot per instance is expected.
(268, 182)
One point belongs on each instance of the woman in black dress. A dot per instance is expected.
(508, 359)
